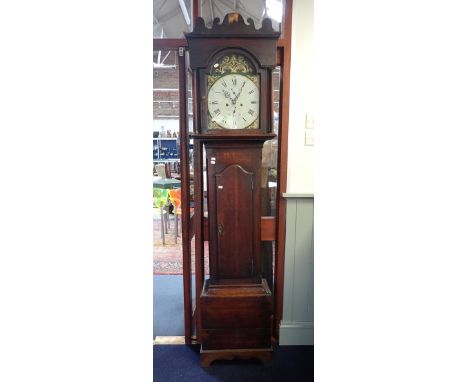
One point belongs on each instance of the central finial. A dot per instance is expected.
(233, 18)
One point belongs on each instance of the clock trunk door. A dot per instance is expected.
(234, 222)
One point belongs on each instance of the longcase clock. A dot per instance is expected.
(232, 63)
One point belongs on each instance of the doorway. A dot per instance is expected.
(168, 300)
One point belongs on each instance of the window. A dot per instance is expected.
(257, 10)
(171, 18)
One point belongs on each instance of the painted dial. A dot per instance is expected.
(233, 101)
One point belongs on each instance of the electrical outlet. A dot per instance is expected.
(309, 138)
(309, 121)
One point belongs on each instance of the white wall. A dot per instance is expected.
(300, 157)
(297, 324)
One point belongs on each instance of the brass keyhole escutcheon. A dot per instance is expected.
(220, 229)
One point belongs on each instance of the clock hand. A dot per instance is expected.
(235, 97)
(240, 91)
(243, 83)
(228, 95)
(233, 116)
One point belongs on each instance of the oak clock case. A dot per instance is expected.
(232, 64)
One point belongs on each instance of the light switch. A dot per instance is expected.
(309, 121)
(309, 138)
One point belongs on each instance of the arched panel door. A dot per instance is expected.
(234, 222)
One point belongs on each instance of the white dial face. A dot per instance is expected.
(233, 101)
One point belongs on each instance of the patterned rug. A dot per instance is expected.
(167, 258)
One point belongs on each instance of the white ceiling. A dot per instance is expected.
(171, 18)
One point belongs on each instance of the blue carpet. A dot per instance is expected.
(168, 305)
(182, 363)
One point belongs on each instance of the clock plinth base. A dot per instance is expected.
(208, 356)
(235, 320)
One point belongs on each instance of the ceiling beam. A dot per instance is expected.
(169, 15)
(164, 59)
(155, 31)
(159, 52)
(155, 21)
(156, 11)
(156, 24)
(183, 7)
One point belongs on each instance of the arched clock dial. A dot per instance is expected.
(233, 101)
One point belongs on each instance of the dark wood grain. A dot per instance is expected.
(233, 191)
(196, 11)
(268, 228)
(235, 206)
(167, 43)
(185, 190)
(208, 356)
(236, 338)
(198, 217)
(234, 25)
(236, 315)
